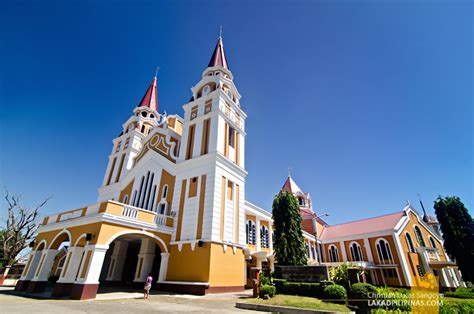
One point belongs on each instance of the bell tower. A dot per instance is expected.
(212, 158)
(129, 142)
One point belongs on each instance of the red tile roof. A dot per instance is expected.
(150, 99)
(218, 57)
(363, 226)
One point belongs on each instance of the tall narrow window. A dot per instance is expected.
(230, 190)
(125, 199)
(137, 199)
(356, 252)
(189, 148)
(411, 247)
(250, 232)
(419, 236)
(205, 137)
(111, 170)
(383, 250)
(231, 137)
(333, 254)
(153, 193)
(134, 198)
(117, 148)
(432, 242)
(142, 195)
(148, 194)
(264, 237)
(148, 191)
(119, 170)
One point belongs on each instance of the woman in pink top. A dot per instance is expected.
(147, 287)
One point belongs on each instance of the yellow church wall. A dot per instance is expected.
(166, 179)
(146, 216)
(108, 231)
(227, 268)
(396, 259)
(410, 227)
(189, 265)
(413, 259)
(47, 236)
(127, 191)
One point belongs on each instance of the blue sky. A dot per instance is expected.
(369, 102)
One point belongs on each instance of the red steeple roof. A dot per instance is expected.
(291, 186)
(218, 58)
(150, 99)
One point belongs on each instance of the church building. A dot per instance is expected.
(172, 204)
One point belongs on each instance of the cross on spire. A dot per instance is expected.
(220, 31)
(289, 171)
(156, 72)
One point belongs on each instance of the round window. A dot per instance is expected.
(143, 114)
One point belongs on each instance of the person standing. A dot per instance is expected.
(147, 287)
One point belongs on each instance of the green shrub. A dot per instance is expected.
(456, 307)
(325, 283)
(264, 280)
(304, 289)
(461, 293)
(279, 284)
(267, 290)
(340, 275)
(359, 294)
(335, 293)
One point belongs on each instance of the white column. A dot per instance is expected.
(33, 261)
(270, 236)
(117, 260)
(343, 251)
(71, 265)
(163, 266)
(93, 266)
(271, 262)
(145, 260)
(370, 258)
(47, 260)
(257, 233)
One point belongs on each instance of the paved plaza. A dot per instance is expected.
(119, 302)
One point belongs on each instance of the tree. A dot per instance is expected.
(288, 241)
(457, 226)
(19, 228)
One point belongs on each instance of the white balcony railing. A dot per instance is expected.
(160, 219)
(130, 212)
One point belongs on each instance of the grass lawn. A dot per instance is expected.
(300, 302)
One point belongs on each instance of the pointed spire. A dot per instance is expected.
(150, 99)
(291, 186)
(218, 58)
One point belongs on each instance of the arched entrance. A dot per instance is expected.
(130, 258)
(46, 259)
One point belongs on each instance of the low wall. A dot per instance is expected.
(302, 273)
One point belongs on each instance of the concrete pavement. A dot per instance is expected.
(117, 302)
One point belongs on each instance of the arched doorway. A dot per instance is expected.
(46, 260)
(128, 261)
